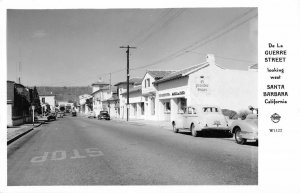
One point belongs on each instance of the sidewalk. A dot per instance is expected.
(141, 122)
(14, 133)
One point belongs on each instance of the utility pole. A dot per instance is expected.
(127, 105)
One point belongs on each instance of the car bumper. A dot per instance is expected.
(213, 129)
(249, 135)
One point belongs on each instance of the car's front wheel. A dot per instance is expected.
(194, 132)
(238, 137)
(175, 130)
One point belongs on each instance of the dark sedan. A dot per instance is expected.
(104, 115)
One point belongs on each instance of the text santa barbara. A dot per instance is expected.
(275, 94)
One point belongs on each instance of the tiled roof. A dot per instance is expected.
(180, 73)
(113, 98)
(158, 74)
(135, 81)
(134, 89)
(99, 82)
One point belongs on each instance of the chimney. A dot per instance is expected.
(210, 58)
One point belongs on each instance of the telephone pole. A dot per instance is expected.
(127, 105)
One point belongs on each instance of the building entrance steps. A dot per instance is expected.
(161, 124)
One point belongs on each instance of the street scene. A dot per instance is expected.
(132, 97)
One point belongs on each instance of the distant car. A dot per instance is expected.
(91, 114)
(51, 116)
(200, 118)
(60, 114)
(104, 115)
(246, 129)
(74, 113)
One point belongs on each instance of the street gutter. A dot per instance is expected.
(22, 134)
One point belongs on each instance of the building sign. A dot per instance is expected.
(164, 95)
(201, 84)
(178, 93)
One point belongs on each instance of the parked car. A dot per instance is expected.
(51, 116)
(91, 114)
(60, 114)
(104, 115)
(74, 113)
(200, 118)
(246, 129)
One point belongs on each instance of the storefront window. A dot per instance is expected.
(181, 102)
(142, 108)
(167, 107)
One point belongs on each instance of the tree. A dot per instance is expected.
(89, 103)
(36, 101)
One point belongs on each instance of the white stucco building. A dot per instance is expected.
(48, 99)
(205, 83)
(134, 85)
(101, 92)
(82, 103)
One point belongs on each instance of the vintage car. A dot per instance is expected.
(74, 113)
(200, 118)
(246, 129)
(91, 114)
(104, 115)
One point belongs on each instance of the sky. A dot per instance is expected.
(76, 47)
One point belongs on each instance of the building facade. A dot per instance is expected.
(18, 104)
(206, 84)
(48, 99)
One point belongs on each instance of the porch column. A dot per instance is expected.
(174, 108)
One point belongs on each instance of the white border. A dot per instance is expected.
(279, 21)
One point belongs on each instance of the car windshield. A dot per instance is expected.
(210, 109)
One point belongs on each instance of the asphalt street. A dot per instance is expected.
(82, 151)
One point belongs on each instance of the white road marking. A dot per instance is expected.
(76, 154)
(59, 155)
(39, 159)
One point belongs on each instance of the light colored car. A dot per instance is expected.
(200, 118)
(91, 114)
(246, 129)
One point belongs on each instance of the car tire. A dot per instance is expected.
(193, 131)
(175, 130)
(238, 138)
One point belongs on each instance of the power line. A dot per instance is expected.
(226, 58)
(163, 25)
(198, 43)
(142, 32)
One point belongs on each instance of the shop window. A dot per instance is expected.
(181, 103)
(167, 107)
(142, 108)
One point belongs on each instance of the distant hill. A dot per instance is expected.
(65, 93)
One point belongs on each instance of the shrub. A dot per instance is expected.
(243, 114)
(230, 113)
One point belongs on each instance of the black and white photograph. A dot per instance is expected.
(148, 97)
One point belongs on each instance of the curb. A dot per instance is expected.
(22, 134)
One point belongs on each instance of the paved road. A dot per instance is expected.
(81, 151)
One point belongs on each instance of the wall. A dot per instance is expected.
(147, 89)
(50, 100)
(230, 89)
(9, 114)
